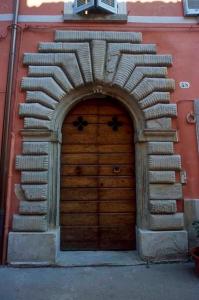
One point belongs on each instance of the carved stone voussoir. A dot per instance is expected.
(78, 36)
(35, 110)
(42, 98)
(163, 206)
(167, 222)
(160, 110)
(45, 84)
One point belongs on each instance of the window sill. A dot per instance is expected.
(99, 18)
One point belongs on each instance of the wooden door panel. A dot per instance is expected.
(86, 108)
(79, 194)
(124, 232)
(81, 233)
(91, 119)
(109, 206)
(79, 206)
(110, 109)
(81, 238)
(97, 209)
(78, 181)
(79, 219)
(84, 158)
(79, 148)
(76, 170)
(115, 158)
(106, 135)
(113, 206)
(109, 170)
(91, 148)
(104, 119)
(71, 134)
(116, 148)
(116, 182)
(111, 219)
(114, 194)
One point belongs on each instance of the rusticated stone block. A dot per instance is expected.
(35, 147)
(31, 123)
(167, 222)
(162, 176)
(112, 36)
(33, 208)
(45, 84)
(116, 50)
(42, 98)
(150, 85)
(29, 223)
(35, 192)
(34, 177)
(155, 98)
(140, 72)
(98, 58)
(163, 206)
(81, 50)
(124, 69)
(30, 162)
(165, 191)
(162, 245)
(160, 148)
(35, 110)
(56, 65)
(164, 162)
(160, 110)
(162, 123)
(51, 71)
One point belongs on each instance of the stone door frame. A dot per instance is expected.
(78, 65)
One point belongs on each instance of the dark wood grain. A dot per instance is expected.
(97, 208)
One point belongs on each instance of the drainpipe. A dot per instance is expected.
(6, 134)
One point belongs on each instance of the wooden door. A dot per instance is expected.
(97, 209)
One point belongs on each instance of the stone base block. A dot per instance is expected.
(33, 248)
(191, 212)
(162, 245)
(167, 222)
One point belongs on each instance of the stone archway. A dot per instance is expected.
(79, 64)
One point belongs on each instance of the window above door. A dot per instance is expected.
(95, 11)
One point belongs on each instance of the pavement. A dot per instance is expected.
(168, 281)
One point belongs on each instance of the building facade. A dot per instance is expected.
(101, 129)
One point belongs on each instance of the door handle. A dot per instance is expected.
(116, 170)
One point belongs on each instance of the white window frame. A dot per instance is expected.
(68, 7)
(189, 11)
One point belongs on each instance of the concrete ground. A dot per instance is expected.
(171, 281)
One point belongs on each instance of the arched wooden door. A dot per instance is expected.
(97, 210)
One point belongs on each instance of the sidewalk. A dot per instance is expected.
(172, 281)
